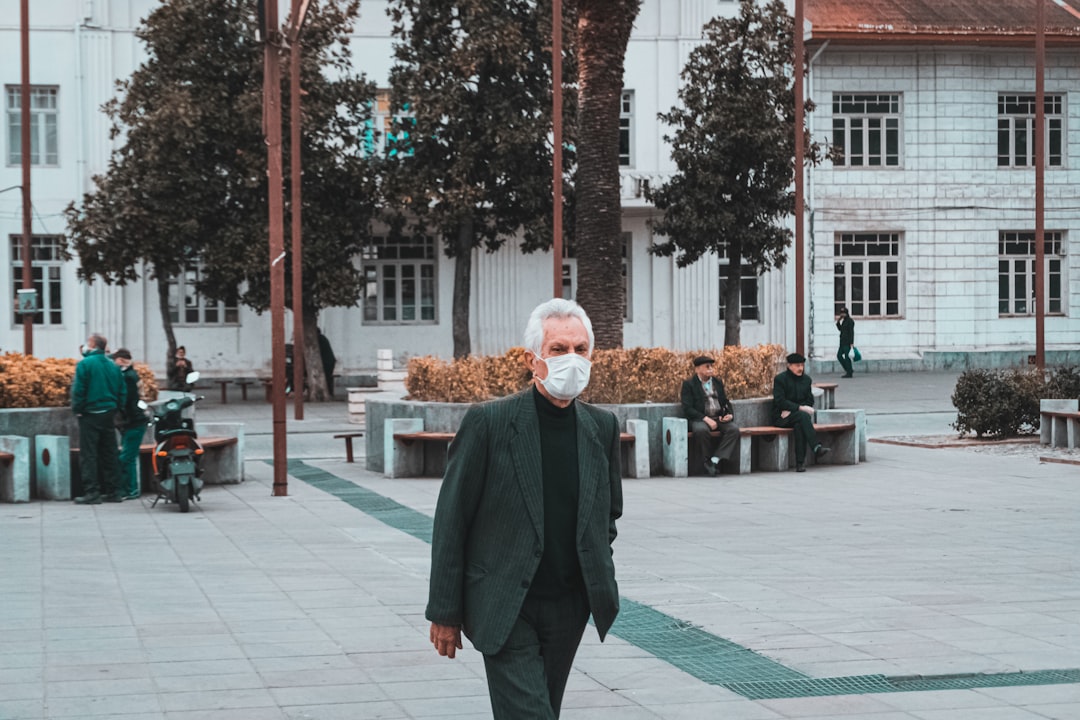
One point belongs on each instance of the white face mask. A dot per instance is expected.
(567, 375)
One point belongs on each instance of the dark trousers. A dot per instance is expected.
(708, 446)
(844, 356)
(527, 677)
(98, 462)
(805, 435)
(129, 460)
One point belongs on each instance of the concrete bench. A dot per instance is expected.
(769, 448)
(1059, 423)
(348, 438)
(828, 394)
(406, 445)
(14, 469)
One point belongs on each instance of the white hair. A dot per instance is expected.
(554, 308)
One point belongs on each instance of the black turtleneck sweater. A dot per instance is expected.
(559, 571)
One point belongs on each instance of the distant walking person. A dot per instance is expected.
(846, 326)
(706, 406)
(96, 394)
(793, 407)
(132, 427)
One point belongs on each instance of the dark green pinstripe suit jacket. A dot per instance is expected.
(489, 521)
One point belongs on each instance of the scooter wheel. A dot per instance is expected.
(182, 498)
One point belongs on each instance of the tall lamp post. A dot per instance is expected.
(24, 115)
(556, 128)
(800, 261)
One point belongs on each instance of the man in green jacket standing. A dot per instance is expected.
(97, 393)
(793, 407)
(132, 428)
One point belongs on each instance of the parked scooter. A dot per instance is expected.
(177, 452)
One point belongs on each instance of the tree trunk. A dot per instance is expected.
(166, 324)
(315, 380)
(603, 31)
(462, 288)
(733, 301)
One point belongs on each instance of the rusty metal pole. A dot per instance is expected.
(297, 237)
(556, 127)
(800, 262)
(272, 123)
(27, 227)
(1040, 187)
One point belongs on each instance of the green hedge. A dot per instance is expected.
(1005, 403)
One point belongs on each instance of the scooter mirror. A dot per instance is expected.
(143, 405)
(192, 378)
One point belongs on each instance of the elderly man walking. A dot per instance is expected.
(521, 549)
(96, 394)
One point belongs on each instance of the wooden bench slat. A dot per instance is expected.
(433, 436)
(1061, 414)
(759, 430)
(6, 457)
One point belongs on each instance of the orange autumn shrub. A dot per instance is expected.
(28, 382)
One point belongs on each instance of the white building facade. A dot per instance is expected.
(942, 215)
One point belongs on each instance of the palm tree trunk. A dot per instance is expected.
(733, 301)
(314, 376)
(603, 32)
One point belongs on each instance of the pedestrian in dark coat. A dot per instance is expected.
(521, 546)
(846, 326)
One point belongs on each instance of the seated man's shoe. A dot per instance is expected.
(710, 468)
(821, 451)
(93, 499)
(800, 467)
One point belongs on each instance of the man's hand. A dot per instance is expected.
(784, 413)
(710, 422)
(726, 418)
(807, 409)
(446, 639)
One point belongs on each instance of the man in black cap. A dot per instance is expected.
(706, 406)
(132, 427)
(793, 407)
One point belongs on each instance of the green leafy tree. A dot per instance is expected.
(188, 181)
(603, 31)
(471, 147)
(734, 146)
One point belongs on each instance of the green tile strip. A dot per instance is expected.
(707, 657)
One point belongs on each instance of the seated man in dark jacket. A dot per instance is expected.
(793, 407)
(706, 406)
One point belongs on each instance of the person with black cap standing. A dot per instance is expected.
(706, 406)
(132, 427)
(793, 407)
(846, 326)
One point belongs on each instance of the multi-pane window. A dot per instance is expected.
(866, 128)
(626, 129)
(399, 275)
(46, 265)
(43, 125)
(749, 306)
(385, 132)
(1016, 130)
(188, 306)
(1016, 273)
(866, 274)
(569, 274)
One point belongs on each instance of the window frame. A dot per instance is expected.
(857, 264)
(384, 253)
(40, 125)
(626, 129)
(50, 292)
(382, 131)
(1009, 132)
(186, 286)
(1016, 266)
(846, 116)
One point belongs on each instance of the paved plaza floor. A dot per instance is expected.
(929, 584)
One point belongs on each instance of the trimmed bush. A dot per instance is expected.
(1005, 403)
(28, 382)
(633, 375)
